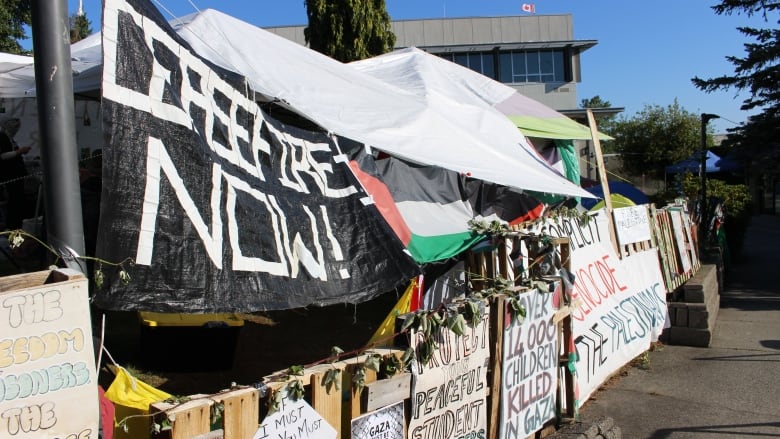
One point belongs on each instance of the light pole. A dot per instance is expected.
(705, 117)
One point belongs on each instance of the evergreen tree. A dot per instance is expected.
(14, 15)
(758, 72)
(349, 30)
(80, 27)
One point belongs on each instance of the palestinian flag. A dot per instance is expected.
(429, 208)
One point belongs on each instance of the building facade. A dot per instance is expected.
(535, 54)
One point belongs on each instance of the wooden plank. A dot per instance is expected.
(188, 419)
(353, 406)
(503, 259)
(22, 281)
(497, 311)
(326, 403)
(388, 391)
(594, 135)
(241, 412)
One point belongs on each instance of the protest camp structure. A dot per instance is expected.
(224, 207)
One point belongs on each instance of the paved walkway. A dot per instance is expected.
(729, 390)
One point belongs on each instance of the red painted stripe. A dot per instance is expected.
(384, 202)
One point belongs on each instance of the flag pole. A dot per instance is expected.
(56, 122)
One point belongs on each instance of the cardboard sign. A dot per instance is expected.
(48, 381)
(385, 423)
(632, 224)
(295, 420)
(449, 392)
(679, 238)
(529, 375)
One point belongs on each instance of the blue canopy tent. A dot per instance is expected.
(693, 163)
(627, 190)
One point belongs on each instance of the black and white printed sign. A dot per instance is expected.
(221, 207)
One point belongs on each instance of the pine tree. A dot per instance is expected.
(349, 30)
(80, 27)
(758, 72)
(14, 15)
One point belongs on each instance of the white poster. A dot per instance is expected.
(529, 374)
(295, 420)
(385, 423)
(48, 383)
(679, 238)
(632, 224)
(449, 392)
(622, 304)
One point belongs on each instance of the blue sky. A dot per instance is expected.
(647, 51)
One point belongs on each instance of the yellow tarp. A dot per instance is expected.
(132, 397)
(384, 334)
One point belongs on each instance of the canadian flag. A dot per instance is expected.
(529, 7)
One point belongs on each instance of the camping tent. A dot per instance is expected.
(17, 73)
(693, 163)
(626, 190)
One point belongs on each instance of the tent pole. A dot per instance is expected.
(56, 121)
(604, 181)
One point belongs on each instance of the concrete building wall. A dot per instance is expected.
(482, 30)
(458, 35)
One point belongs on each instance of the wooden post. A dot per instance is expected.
(326, 403)
(241, 415)
(496, 365)
(604, 181)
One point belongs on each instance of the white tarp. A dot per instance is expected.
(451, 134)
(430, 76)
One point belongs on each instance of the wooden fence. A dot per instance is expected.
(243, 409)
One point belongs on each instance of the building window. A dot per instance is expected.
(515, 66)
(481, 62)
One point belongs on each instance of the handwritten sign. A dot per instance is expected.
(449, 392)
(679, 238)
(385, 423)
(632, 224)
(48, 384)
(295, 420)
(622, 302)
(529, 375)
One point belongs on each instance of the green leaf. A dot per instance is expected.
(408, 319)
(359, 378)
(408, 356)
(335, 351)
(374, 362)
(295, 390)
(332, 378)
(295, 370)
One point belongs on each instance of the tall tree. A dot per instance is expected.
(656, 137)
(758, 72)
(606, 123)
(348, 30)
(14, 15)
(80, 27)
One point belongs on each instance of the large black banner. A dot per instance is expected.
(221, 207)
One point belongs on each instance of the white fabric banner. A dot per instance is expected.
(622, 302)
